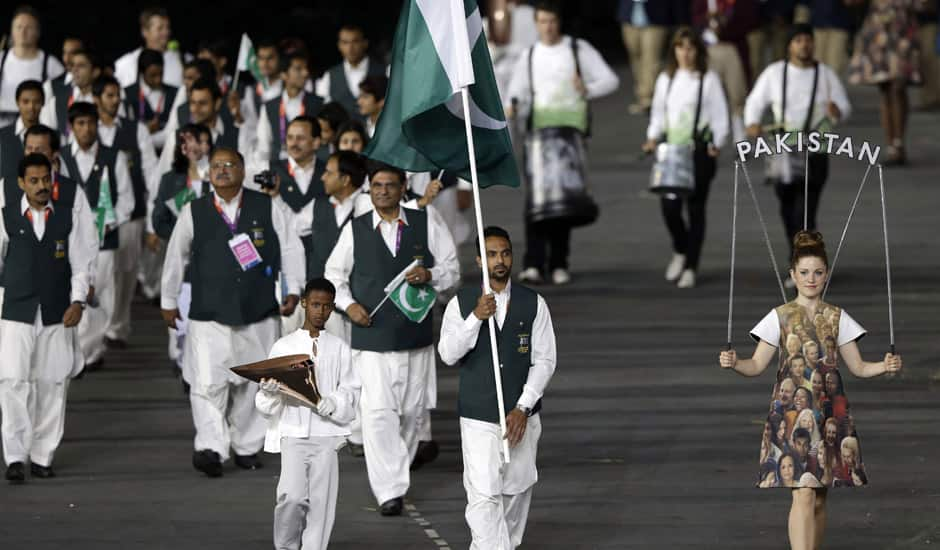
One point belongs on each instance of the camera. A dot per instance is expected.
(265, 179)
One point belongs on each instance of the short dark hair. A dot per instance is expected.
(351, 164)
(287, 59)
(206, 84)
(148, 58)
(33, 159)
(267, 43)
(801, 433)
(352, 27)
(379, 166)
(314, 125)
(217, 47)
(374, 85)
(334, 114)
(28, 85)
(495, 231)
(150, 12)
(81, 109)
(551, 6)
(223, 149)
(26, 10)
(102, 82)
(43, 130)
(204, 66)
(320, 284)
(84, 52)
(353, 125)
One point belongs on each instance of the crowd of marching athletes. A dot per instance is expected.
(243, 205)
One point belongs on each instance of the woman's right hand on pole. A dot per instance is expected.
(728, 359)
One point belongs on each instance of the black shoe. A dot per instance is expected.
(208, 462)
(92, 367)
(356, 449)
(115, 344)
(392, 507)
(16, 473)
(185, 386)
(248, 462)
(427, 452)
(44, 472)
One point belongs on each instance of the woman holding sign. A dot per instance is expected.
(809, 268)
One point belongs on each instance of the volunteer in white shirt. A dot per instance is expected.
(23, 61)
(155, 30)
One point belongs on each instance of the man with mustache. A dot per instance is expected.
(498, 496)
(47, 256)
(236, 243)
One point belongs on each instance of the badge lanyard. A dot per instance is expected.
(282, 115)
(231, 224)
(401, 228)
(29, 214)
(142, 103)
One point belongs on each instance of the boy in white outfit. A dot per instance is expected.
(308, 439)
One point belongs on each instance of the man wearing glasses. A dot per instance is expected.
(235, 243)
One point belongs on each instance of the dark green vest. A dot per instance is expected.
(11, 152)
(229, 137)
(62, 92)
(339, 88)
(132, 104)
(222, 292)
(125, 139)
(163, 219)
(373, 268)
(38, 273)
(290, 192)
(272, 107)
(319, 245)
(105, 161)
(476, 395)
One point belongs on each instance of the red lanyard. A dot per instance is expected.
(142, 104)
(282, 115)
(29, 214)
(259, 90)
(228, 221)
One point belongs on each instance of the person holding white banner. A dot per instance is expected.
(499, 494)
(392, 350)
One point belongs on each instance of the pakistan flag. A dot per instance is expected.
(415, 302)
(439, 49)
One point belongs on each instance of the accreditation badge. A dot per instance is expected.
(59, 250)
(244, 251)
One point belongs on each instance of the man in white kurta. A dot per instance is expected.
(499, 494)
(40, 348)
(308, 438)
(393, 354)
(233, 314)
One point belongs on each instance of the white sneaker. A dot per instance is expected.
(561, 277)
(687, 279)
(530, 275)
(789, 283)
(674, 269)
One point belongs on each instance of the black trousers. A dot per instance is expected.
(687, 238)
(547, 240)
(793, 198)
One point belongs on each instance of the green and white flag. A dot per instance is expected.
(439, 49)
(104, 210)
(248, 61)
(415, 302)
(179, 200)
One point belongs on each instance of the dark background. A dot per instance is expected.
(111, 29)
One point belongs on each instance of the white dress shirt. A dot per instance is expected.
(48, 114)
(83, 241)
(269, 131)
(459, 336)
(179, 249)
(86, 160)
(16, 70)
(148, 155)
(354, 76)
(768, 90)
(336, 379)
(342, 210)
(444, 275)
(125, 68)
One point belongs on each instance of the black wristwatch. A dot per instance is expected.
(526, 410)
(81, 304)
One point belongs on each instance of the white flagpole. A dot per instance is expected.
(465, 95)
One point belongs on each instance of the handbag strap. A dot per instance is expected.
(698, 106)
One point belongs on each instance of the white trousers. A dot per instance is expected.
(498, 494)
(177, 336)
(340, 326)
(95, 320)
(306, 493)
(223, 403)
(392, 407)
(126, 263)
(150, 270)
(37, 364)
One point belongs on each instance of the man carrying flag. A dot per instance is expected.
(393, 351)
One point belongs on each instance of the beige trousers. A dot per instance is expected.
(832, 48)
(645, 46)
(929, 69)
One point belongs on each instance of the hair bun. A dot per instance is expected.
(808, 239)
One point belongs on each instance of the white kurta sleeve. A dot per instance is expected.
(264, 137)
(148, 160)
(292, 250)
(124, 205)
(446, 271)
(272, 405)
(48, 115)
(458, 335)
(339, 266)
(768, 329)
(598, 77)
(169, 147)
(83, 247)
(544, 357)
(346, 395)
(322, 87)
(178, 251)
(657, 125)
